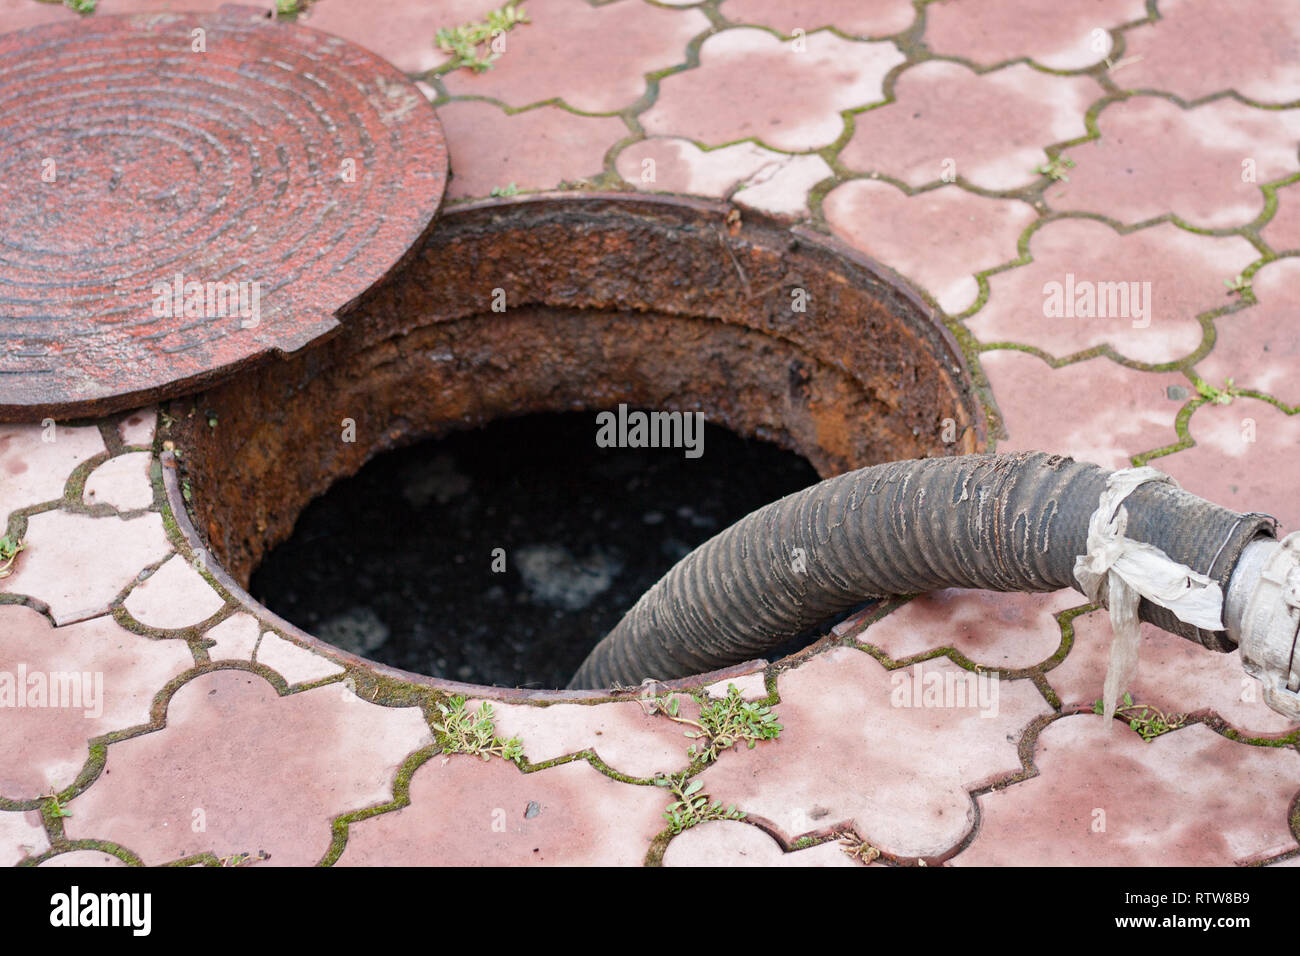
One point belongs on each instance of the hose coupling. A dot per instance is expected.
(1270, 621)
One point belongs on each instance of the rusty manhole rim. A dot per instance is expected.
(952, 357)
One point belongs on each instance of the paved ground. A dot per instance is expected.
(983, 150)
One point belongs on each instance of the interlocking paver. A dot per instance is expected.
(92, 679)
(247, 771)
(122, 482)
(174, 596)
(877, 19)
(1187, 798)
(1088, 285)
(922, 137)
(36, 460)
(749, 84)
(21, 836)
(724, 843)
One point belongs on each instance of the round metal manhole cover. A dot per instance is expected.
(183, 193)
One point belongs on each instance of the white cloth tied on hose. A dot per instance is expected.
(1118, 572)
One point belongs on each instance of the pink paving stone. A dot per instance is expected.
(1148, 323)
(34, 470)
(1187, 798)
(76, 859)
(594, 58)
(173, 596)
(1258, 348)
(1231, 470)
(1174, 675)
(724, 843)
(468, 812)
(236, 638)
(295, 664)
(1282, 232)
(768, 180)
(751, 687)
(21, 14)
(989, 628)
(1058, 36)
(138, 427)
(937, 239)
(749, 84)
(900, 774)
(267, 773)
(536, 149)
(402, 35)
(122, 482)
(880, 18)
(622, 735)
(1154, 158)
(77, 564)
(1102, 412)
(1248, 46)
(929, 132)
(117, 674)
(21, 836)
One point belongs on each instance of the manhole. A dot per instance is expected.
(183, 193)
(567, 303)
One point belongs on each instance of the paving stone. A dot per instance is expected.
(78, 858)
(1088, 286)
(468, 812)
(926, 135)
(989, 628)
(751, 687)
(877, 19)
(900, 774)
(295, 664)
(1114, 412)
(1202, 164)
(1248, 46)
(1174, 675)
(749, 84)
(1057, 36)
(105, 679)
(139, 427)
(32, 470)
(1187, 798)
(1282, 232)
(403, 37)
(77, 564)
(615, 45)
(626, 739)
(246, 770)
(1246, 457)
(774, 182)
(1257, 347)
(726, 843)
(537, 149)
(21, 836)
(21, 14)
(236, 638)
(173, 596)
(938, 239)
(122, 482)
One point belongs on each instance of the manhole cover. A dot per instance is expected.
(182, 193)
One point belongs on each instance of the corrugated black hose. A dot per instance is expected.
(1010, 522)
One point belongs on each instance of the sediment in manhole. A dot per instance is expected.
(568, 303)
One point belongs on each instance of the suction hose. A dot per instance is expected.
(1017, 522)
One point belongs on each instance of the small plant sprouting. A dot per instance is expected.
(466, 733)
(1056, 167)
(463, 42)
(511, 190)
(692, 805)
(58, 809)
(1237, 284)
(1219, 396)
(858, 848)
(1148, 721)
(244, 859)
(723, 723)
(9, 548)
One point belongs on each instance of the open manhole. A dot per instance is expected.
(512, 313)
